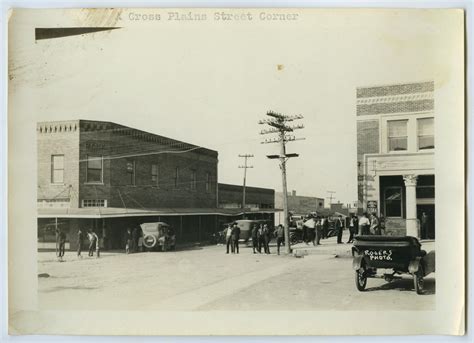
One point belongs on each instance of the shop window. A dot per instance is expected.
(397, 135)
(155, 175)
(94, 169)
(393, 201)
(94, 203)
(425, 133)
(131, 173)
(57, 168)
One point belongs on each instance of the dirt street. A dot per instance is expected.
(208, 279)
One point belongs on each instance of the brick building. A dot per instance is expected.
(231, 196)
(395, 156)
(298, 204)
(108, 177)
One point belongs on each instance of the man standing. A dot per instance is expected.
(339, 228)
(325, 226)
(374, 225)
(228, 238)
(235, 238)
(280, 236)
(352, 228)
(92, 242)
(62, 244)
(364, 224)
(80, 239)
(424, 225)
(255, 238)
(266, 238)
(319, 231)
(128, 241)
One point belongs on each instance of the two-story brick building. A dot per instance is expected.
(108, 177)
(395, 156)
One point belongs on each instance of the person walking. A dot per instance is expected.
(228, 238)
(235, 238)
(364, 224)
(80, 240)
(266, 238)
(280, 236)
(339, 229)
(255, 238)
(128, 240)
(374, 225)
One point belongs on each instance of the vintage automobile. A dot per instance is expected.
(158, 236)
(400, 255)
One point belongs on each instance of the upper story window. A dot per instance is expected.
(425, 133)
(193, 180)
(131, 173)
(154, 174)
(397, 135)
(176, 177)
(57, 168)
(94, 169)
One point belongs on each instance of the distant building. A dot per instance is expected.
(256, 198)
(299, 204)
(109, 177)
(395, 155)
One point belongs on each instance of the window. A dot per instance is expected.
(94, 169)
(94, 203)
(208, 182)
(131, 173)
(393, 201)
(193, 180)
(425, 133)
(176, 177)
(57, 168)
(397, 135)
(154, 174)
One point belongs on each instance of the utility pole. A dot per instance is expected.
(245, 167)
(279, 125)
(330, 197)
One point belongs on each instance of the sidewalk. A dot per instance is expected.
(329, 246)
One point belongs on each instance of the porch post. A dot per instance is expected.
(411, 220)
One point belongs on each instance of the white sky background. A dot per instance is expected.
(208, 83)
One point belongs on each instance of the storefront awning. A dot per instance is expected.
(114, 212)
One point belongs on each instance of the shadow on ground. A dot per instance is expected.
(404, 285)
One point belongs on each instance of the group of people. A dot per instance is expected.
(316, 228)
(261, 237)
(93, 243)
(370, 224)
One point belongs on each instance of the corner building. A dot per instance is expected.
(395, 156)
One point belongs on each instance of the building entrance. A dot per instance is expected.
(426, 217)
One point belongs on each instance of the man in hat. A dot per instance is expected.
(235, 238)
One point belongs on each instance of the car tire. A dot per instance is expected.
(361, 278)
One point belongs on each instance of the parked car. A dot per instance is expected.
(158, 236)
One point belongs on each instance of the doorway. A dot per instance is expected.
(426, 216)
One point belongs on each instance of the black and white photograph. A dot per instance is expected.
(211, 166)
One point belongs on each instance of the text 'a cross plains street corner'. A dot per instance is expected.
(216, 16)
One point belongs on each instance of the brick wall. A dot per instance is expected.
(232, 194)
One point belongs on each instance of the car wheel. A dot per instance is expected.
(361, 278)
(418, 280)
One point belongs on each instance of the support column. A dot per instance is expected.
(411, 220)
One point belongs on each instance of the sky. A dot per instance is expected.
(210, 82)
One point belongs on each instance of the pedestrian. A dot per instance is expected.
(339, 229)
(280, 236)
(325, 226)
(97, 244)
(319, 230)
(374, 225)
(382, 224)
(305, 232)
(310, 226)
(140, 241)
(352, 228)
(128, 241)
(92, 242)
(62, 244)
(228, 238)
(80, 239)
(255, 238)
(266, 238)
(364, 224)
(235, 238)
(261, 240)
(134, 246)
